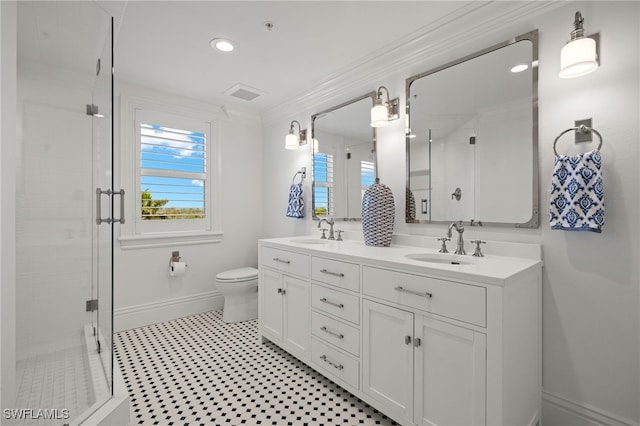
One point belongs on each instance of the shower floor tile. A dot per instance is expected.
(53, 381)
(200, 370)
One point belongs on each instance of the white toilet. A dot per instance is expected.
(240, 290)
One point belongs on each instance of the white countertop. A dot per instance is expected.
(491, 269)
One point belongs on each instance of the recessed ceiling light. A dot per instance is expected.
(520, 68)
(222, 45)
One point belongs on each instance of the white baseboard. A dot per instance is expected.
(557, 410)
(154, 312)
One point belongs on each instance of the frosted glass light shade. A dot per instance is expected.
(291, 141)
(578, 58)
(379, 116)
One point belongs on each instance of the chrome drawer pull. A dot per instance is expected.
(336, 274)
(328, 302)
(417, 293)
(334, 365)
(333, 333)
(277, 259)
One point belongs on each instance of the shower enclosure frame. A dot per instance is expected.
(49, 282)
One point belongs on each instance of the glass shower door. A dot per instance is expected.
(64, 259)
(101, 111)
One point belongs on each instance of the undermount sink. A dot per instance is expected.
(309, 241)
(442, 258)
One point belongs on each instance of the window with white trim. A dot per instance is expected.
(173, 173)
(323, 184)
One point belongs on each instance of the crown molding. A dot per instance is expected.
(456, 32)
(217, 109)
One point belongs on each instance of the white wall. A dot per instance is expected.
(144, 292)
(591, 295)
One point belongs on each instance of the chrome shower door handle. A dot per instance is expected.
(99, 193)
(121, 194)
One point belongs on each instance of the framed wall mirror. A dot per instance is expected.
(472, 138)
(344, 158)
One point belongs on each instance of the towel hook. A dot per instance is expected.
(581, 129)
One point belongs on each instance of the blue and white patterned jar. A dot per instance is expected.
(378, 214)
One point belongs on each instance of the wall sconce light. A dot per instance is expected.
(293, 140)
(579, 56)
(382, 113)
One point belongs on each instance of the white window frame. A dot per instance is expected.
(139, 233)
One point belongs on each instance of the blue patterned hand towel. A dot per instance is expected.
(296, 201)
(577, 196)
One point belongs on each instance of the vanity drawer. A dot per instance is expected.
(335, 363)
(450, 299)
(334, 272)
(336, 332)
(342, 305)
(285, 261)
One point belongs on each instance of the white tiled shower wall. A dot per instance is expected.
(54, 211)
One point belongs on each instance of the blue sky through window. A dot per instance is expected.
(173, 163)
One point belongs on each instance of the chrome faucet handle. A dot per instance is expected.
(339, 231)
(443, 249)
(324, 235)
(478, 252)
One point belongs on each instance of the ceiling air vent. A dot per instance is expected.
(243, 92)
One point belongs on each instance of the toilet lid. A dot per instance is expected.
(241, 274)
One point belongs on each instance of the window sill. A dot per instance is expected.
(169, 239)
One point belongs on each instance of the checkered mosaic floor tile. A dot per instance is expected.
(199, 370)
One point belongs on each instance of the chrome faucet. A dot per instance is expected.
(330, 222)
(460, 228)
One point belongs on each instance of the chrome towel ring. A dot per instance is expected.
(581, 129)
(302, 173)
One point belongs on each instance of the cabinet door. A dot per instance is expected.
(271, 303)
(297, 315)
(450, 371)
(387, 358)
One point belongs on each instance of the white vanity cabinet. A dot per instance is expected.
(284, 299)
(426, 371)
(335, 323)
(426, 344)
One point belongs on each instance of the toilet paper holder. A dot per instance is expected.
(175, 257)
